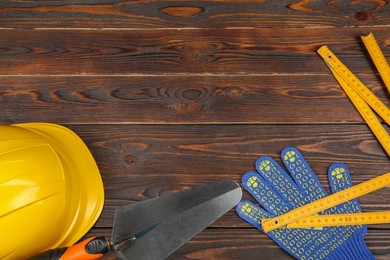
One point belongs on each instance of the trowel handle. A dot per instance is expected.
(90, 248)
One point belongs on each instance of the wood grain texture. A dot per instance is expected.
(201, 14)
(165, 51)
(140, 162)
(274, 99)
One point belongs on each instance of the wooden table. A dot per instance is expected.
(170, 95)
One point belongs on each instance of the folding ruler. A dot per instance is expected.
(363, 99)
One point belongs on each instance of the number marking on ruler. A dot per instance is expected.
(378, 58)
(338, 67)
(342, 220)
(326, 202)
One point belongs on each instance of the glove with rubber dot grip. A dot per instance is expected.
(279, 192)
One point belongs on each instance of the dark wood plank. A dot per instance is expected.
(186, 99)
(140, 162)
(248, 244)
(183, 14)
(229, 150)
(165, 51)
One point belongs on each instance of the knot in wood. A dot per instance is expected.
(129, 159)
(362, 16)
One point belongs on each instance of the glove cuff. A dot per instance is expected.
(354, 248)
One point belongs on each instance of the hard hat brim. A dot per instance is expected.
(84, 183)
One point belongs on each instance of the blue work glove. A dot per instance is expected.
(279, 193)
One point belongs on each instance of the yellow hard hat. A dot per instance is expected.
(51, 192)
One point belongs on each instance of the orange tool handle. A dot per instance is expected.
(90, 248)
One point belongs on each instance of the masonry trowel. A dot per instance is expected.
(155, 228)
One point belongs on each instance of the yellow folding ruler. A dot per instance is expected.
(363, 99)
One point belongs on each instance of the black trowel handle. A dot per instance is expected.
(90, 248)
